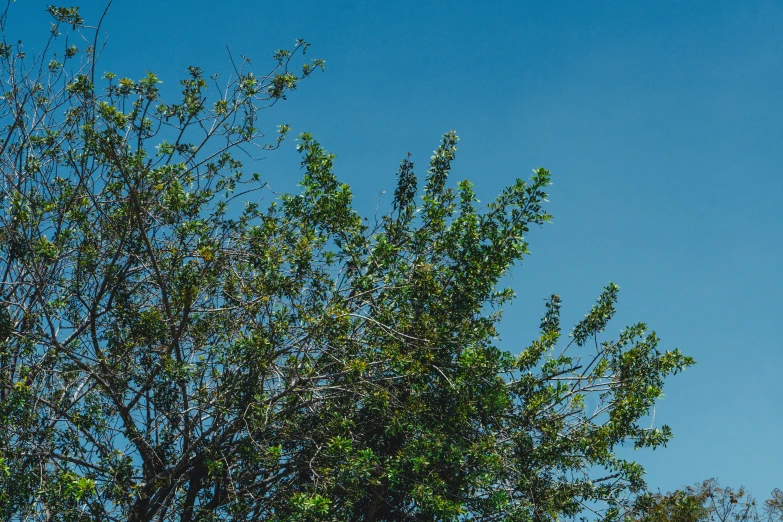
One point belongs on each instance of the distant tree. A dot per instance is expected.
(686, 505)
(174, 349)
(729, 505)
(707, 502)
(773, 506)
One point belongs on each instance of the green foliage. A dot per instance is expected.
(170, 348)
(686, 505)
(67, 15)
(706, 502)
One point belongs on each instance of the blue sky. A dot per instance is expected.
(662, 123)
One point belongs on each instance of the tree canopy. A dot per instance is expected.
(707, 502)
(181, 343)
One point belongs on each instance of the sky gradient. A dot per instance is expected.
(662, 124)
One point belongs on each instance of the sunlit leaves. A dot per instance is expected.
(179, 342)
(68, 15)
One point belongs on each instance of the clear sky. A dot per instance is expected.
(662, 123)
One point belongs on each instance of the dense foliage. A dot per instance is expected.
(175, 347)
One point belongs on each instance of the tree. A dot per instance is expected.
(174, 349)
(684, 505)
(707, 502)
